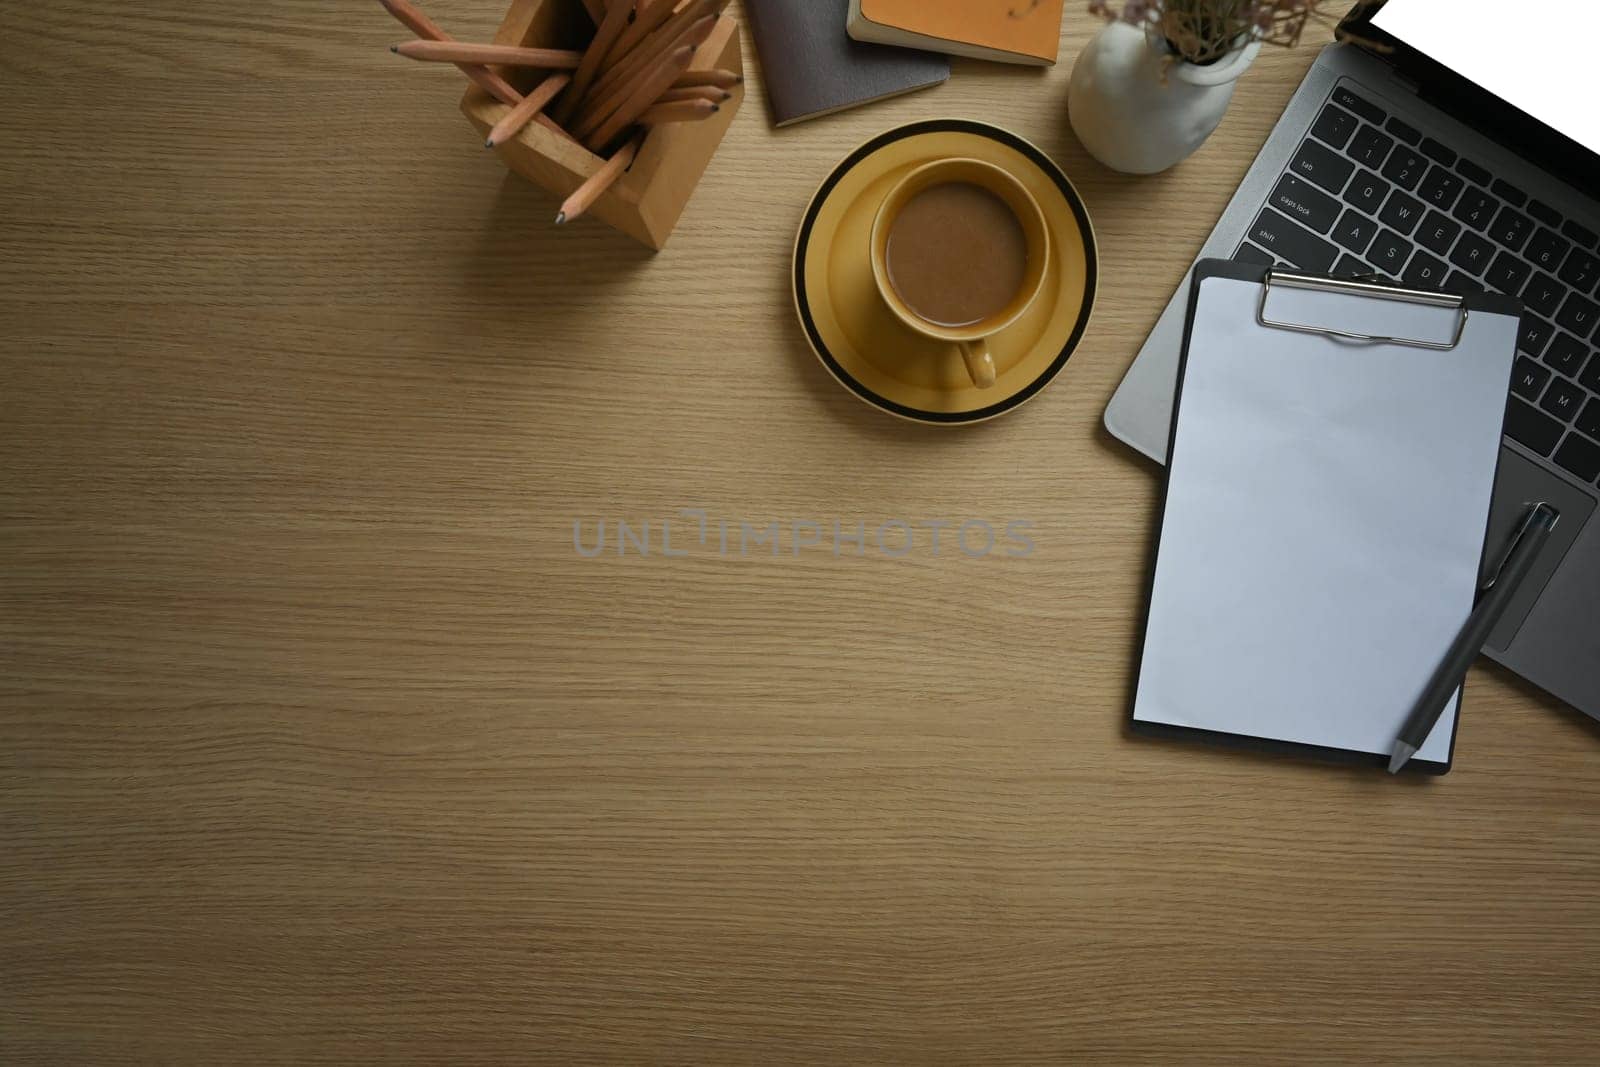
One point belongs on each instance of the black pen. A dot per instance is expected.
(1492, 604)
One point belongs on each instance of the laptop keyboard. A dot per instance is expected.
(1367, 193)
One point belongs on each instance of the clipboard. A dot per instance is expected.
(1335, 444)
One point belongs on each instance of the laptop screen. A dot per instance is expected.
(1537, 57)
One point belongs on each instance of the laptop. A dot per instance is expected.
(1451, 146)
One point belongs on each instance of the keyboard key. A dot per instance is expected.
(1389, 252)
(1472, 254)
(1464, 284)
(1581, 234)
(1402, 212)
(1367, 192)
(1508, 192)
(1476, 208)
(1544, 212)
(1507, 273)
(1530, 426)
(1589, 419)
(1533, 334)
(1438, 233)
(1434, 150)
(1424, 272)
(1589, 377)
(1440, 188)
(1543, 294)
(1578, 315)
(1581, 456)
(1360, 105)
(1563, 399)
(1334, 126)
(1305, 203)
(1580, 270)
(1322, 166)
(1291, 242)
(1355, 231)
(1566, 354)
(1473, 173)
(1511, 228)
(1249, 253)
(1351, 267)
(1546, 250)
(1370, 147)
(1407, 133)
(1405, 167)
(1528, 378)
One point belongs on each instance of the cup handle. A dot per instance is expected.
(980, 362)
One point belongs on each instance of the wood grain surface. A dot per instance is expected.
(319, 742)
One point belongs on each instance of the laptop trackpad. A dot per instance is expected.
(1520, 486)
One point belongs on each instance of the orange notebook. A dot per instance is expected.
(1009, 31)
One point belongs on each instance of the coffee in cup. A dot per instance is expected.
(959, 250)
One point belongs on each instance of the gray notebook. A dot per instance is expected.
(811, 67)
(1326, 506)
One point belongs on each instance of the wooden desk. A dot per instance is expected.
(319, 741)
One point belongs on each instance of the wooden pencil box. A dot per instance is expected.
(647, 201)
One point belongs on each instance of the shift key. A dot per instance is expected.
(1303, 201)
(1293, 242)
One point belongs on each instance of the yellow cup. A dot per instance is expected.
(973, 340)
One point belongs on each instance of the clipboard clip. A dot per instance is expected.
(1378, 290)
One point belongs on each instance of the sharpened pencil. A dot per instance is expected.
(418, 23)
(721, 79)
(682, 111)
(604, 178)
(524, 113)
(414, 20)
(697, 92)
(503, 55)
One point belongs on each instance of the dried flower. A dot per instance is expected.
(1203, 31)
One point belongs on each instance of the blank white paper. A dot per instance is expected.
(1325, 518)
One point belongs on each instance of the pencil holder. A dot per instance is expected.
(647, 201)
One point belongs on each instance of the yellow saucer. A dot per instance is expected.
(874, 354)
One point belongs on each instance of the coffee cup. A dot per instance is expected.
(959, 251)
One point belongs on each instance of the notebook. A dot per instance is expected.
(1326, 507)
(1007, 31)
(811, 67)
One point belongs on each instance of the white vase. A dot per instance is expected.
(1138, 110)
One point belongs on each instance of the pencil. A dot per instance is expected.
(604, 178)
(615, 21)
(657, 44)
(641, 66)
(601, 106)
(419, 24)
(486, 79)
(721, 79)
(523, 113)
(682, 111)
(598, 106)
(502, 54)
(641, 99)
(645, 20)
(695, 92)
